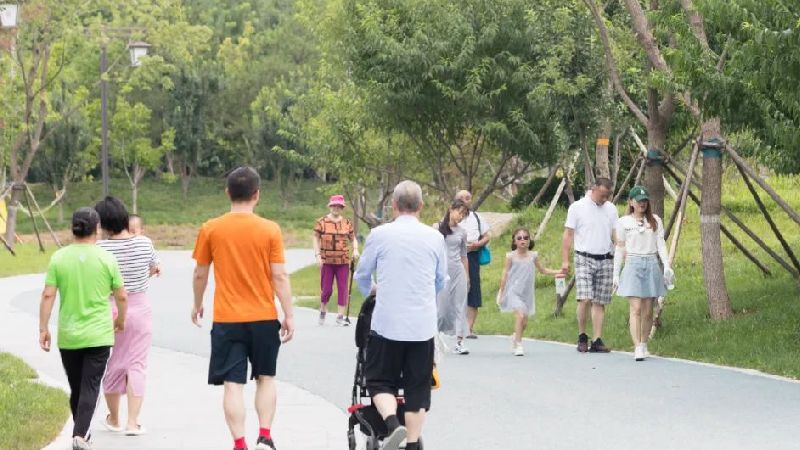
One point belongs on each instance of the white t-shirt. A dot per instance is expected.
(593, 225)
(470, 224)
(639, 239)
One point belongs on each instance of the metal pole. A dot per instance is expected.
(104, 119)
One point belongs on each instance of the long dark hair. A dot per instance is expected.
(648, 214)
(514, 238)
(444, 225)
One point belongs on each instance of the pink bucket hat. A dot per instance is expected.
(336, 200)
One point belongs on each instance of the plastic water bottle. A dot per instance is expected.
(561, 285)
(669, 279)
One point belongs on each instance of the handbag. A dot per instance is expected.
(484, 254)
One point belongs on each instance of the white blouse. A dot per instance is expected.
(639, 237)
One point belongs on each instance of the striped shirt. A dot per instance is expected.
(135, 256)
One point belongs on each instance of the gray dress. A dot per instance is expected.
(519, 293)
(451, 303)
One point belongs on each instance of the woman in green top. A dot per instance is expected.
(83, 275)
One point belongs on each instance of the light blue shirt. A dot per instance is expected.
(410, 262)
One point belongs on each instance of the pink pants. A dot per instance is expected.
(128, 362)
(340, 272)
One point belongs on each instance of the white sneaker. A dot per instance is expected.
(342, 321)
(80, 444)
(638, 353)
(644, 350)
(518, 350)
(460, 350)
(322, 317)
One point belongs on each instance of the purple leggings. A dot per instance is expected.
(329, 271)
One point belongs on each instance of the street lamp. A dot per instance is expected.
(137, 50)
(8, 15)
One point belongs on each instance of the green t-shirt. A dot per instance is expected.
(85, 275)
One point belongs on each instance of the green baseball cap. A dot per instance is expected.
(638, 193)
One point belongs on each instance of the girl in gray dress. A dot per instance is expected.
(517, 290)
(451, 303)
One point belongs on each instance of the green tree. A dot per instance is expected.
(473, 84)
(132, 147)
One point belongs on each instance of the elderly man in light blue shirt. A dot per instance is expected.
(410, 263)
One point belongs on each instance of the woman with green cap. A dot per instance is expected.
(640, 245)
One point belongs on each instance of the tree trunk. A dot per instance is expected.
(11, 218)
(719, 304)
(186, 178)
(135, 197)
(601, 166)
(654, 173)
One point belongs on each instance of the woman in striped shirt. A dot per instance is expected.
(127, 366)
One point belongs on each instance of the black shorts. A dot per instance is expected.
(233, 344)
(392, 365)
(474, 296)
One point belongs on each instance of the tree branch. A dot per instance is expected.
(613, 72)
(645, 36)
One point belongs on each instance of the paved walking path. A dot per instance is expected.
(553, 398)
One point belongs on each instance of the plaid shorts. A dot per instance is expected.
(594, 279)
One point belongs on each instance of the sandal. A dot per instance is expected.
(140, 430)
(112, 428)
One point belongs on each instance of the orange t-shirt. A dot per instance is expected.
(241, 246)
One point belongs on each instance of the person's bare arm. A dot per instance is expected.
(45, 309)
(121, 297)
(199, 284)
(317, 251)
(543, 269)
(283, 289)
(566, 245)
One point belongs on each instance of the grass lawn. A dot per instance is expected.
(762, 335)
(31, 414)
(28, 260)
(174, 219)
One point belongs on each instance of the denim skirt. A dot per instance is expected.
(642, 276)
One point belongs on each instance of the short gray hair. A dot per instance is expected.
(407, 196)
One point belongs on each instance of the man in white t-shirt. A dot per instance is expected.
(590, 225)
(477, 237)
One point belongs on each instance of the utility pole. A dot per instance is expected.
(104, 118)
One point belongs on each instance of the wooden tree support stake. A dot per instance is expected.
(41, 214)
(550, 177)
(767, 216)
(8, 247)
(744, 228)
(33, 218)
(550, 210)
(621, 187)
(744, 250)
(561, 299)
(742, 164)
(680, 205)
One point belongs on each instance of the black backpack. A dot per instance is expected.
(364, 323)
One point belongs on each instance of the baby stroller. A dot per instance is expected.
(364, 416)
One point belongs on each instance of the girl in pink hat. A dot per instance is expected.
(333, 236)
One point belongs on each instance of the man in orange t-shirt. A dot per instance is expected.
(249, 271)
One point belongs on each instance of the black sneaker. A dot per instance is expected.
(264, 444)
(598, 347)
(583, 343)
